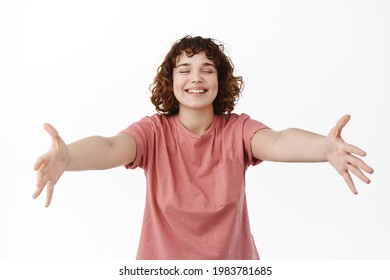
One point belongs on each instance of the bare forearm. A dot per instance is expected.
(92, 153)
(297, 145)
(290, 145)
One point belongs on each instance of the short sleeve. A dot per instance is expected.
(143, 134)
(250, 127)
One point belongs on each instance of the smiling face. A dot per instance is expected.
(195, 82)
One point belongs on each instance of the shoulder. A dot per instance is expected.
(237, 119)
(154, 120)
(241, 123)
(147, 123)
(156, 124)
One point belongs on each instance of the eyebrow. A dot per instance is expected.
(189, 64)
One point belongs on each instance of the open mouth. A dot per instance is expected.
(196, 91)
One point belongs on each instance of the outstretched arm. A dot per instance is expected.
(296, 145)
(92, 153)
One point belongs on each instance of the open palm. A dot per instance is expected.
(51, 165)
(344, 157)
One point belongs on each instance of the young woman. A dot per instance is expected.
(195, 153)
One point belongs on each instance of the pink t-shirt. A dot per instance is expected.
(195, 198)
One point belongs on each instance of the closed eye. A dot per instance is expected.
(208, 71)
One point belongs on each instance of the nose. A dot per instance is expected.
(196, 78)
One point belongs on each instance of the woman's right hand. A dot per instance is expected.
(51, 165)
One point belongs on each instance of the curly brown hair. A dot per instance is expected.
(229, 86)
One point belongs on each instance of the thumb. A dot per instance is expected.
(341, 123)
(52, 132)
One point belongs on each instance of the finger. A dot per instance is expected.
(40, 188)
(41, 182)
(348, 179)
(360, 164)
(358, 173)
(40, 177)
(38, 163)
(49, 193)
(354, 150)
(341, 123)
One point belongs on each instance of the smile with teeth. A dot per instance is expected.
(196, 90)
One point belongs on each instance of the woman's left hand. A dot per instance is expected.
(342, 156)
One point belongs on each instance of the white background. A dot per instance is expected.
(85, 67)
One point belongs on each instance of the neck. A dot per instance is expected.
(196, 121)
